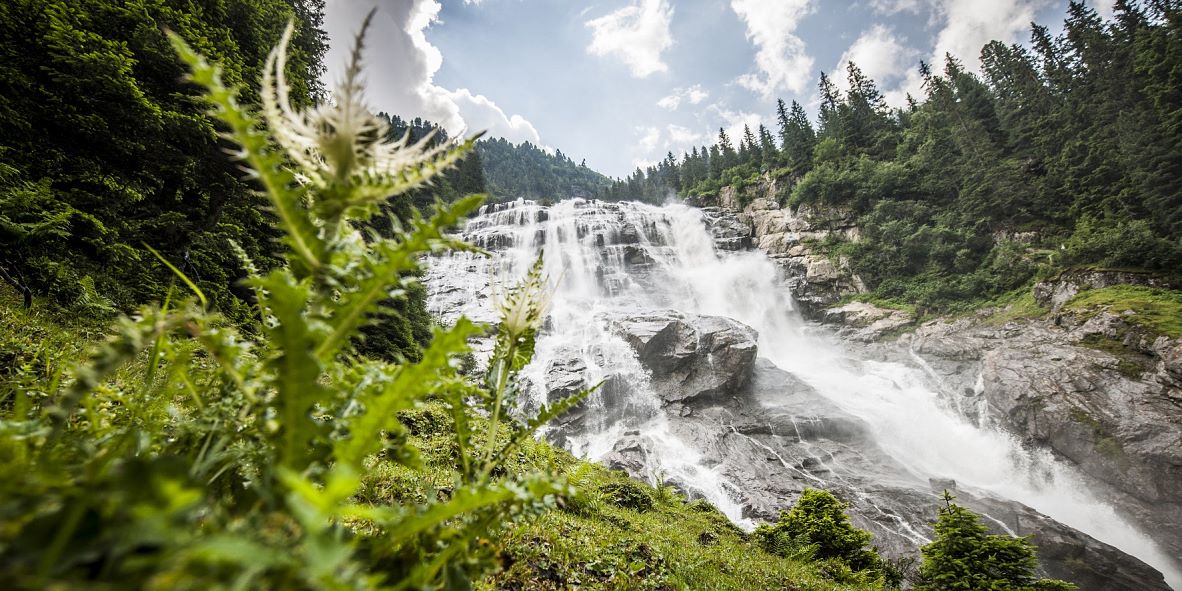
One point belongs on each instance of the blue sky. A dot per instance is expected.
(622, 82)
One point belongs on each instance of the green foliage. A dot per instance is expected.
(1122, 244)
(103, 147)
(180, 454)
(817, 527)
(525, 171)
(964, 556)
(1156, 310)
(628, 494)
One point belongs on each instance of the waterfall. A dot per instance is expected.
(626, 257)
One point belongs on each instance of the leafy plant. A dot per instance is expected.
(183, 455)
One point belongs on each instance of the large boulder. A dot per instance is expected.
(690, 357)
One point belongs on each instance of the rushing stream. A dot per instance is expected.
(617, 260)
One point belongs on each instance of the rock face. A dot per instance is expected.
(862, 321)
(1115, 411)
(690, 357)
(779, 436)
(787, 236)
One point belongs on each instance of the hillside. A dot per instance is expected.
(525, 171)
(1060, 155)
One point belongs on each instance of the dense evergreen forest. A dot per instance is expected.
(527, 171)
(508, 171)
(1068, 153)
(104, 151)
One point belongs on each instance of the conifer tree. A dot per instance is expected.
(799, 139)
(964, 556)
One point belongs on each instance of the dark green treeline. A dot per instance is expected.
(104, 149)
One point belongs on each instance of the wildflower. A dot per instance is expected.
(340, 148)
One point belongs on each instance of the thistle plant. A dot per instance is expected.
(184, 455)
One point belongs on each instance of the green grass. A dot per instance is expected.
(1156, 310)
(616, 534)
(1016, 305)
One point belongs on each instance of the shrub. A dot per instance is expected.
(817, 527)
(964, 556)
(628, 494)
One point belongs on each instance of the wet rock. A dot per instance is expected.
(784, 436)
(1116, 422)
(728, 231)
(691, 357)
(863, 321)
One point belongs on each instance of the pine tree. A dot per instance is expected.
(799, 140)
(964, 556)
(727, 155)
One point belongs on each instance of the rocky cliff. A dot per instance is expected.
(1091, 386)
(789, 237)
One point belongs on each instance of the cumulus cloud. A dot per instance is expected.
(653, 143)
(732, 121)
(882, 56)
(401, 66)
(970, 24)
(780, 56)
(895, 6)
(650, 138)
(637, 34)
(964, 27)
(692, 95)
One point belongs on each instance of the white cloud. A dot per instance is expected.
(637, 34)
(970, 24)
(401, 66)
(965, 26)
(780, 56)
(895, 6)
(653, 144)
(650, 138)
(683, 136)
(733, 122)
(1106, 8)
(882, 56)
(670, 102)
(481, 113)
(693, 95)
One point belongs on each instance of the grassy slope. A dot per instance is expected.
(1158, 311)
(620, 534)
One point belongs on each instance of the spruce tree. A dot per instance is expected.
(965, 557)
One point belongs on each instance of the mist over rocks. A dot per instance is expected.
(1115, 414)
(713, 383)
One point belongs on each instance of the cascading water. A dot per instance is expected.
(625, 258)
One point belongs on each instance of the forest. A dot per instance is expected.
(1064, 154)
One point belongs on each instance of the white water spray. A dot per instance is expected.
(597, 249)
